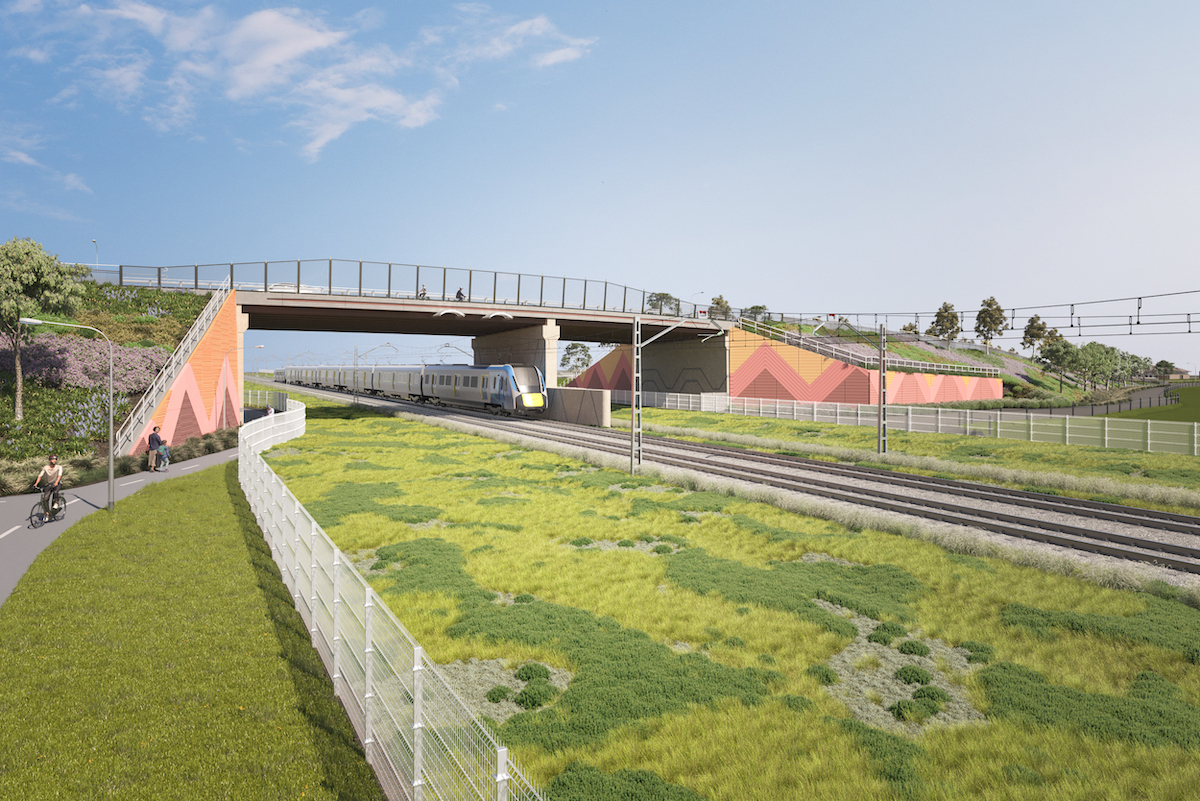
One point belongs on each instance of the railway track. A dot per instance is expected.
(1128, 533)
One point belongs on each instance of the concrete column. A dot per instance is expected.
(536, 345)
(243, 325)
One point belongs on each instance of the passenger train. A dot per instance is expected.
(510, 388)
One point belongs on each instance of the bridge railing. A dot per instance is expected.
(369, 279)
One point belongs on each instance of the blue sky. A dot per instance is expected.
(811, 157)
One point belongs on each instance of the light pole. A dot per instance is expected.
(377, 347)
(112, 498)
(224, 402)
(97, 254)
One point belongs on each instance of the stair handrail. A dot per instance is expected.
(123, 439)
(850, 357)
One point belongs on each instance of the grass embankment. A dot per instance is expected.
(717, 652)
(154, 654)
(1186, 411)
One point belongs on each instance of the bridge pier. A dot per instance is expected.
(536, 345)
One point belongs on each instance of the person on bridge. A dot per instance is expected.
(422, 295)
(459, 295)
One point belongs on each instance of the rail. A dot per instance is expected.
(850, 357)
(1030, 425)
(419, 738)
(144, 408)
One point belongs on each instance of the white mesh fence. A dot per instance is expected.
(1033, 425)
(420, 739)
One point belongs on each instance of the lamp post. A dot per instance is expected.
(97, 254)
(224, 402)
(112, 498)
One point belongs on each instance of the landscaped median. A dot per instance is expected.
(633, 639)
(154, 654)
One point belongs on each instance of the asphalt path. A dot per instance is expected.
(20, 543)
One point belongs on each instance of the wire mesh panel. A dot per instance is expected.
(531, 289)
(458, 757)
(404, 281)
(503, 288)
(373, 279)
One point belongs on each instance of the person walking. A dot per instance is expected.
(155, 442)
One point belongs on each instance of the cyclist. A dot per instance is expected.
(53, 474)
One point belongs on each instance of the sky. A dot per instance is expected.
(813, 157)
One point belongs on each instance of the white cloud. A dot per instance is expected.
(265, 49)
(17, 201)
(17, 157)
(321, 75)
(74, 182)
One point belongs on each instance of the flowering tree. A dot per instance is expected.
(31, 282)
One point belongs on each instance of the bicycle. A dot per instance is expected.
(50, 507)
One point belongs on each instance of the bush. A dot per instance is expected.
(884, 633)
(532, 670)
(914, 648)
(537, 693)
(911, 674)
(735, 642)
(823, 674)
(582, 542)
(625, 544)
(914, 711)
(662, 549)
(932, 693)
(524, 598)
(499, 693)
(979, 651)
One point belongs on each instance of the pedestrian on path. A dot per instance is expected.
(154, 444)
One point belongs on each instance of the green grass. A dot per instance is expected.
(717, 640)
(1186, 411)
(154, 654)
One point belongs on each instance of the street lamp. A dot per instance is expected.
(112, 498)
(97, 254)
(224, 402)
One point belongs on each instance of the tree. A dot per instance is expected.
(989, 321)
(1164, 368)
(664, 302)
(1035, 332)
(754, 312)
(33, 282)
(720, 308)
(911, 328)
(1058, 354)
(576, 358)
(945, 323)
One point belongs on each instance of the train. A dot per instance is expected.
(500, 388)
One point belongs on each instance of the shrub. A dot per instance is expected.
(914, 648)
(648, 538)
(532, 670)
(766, 659)
(979, 651)
(537, 693)
(524, 598)
(582, 542)
(914, 711)
(884, 633)
(932, 693)
(797, 703)
(499, 693)
(735, 642)
(911, 674)
(625, 544)
(823, 674)
(662, 549)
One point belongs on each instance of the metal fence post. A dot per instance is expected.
(501, 773)
(418, 723)
(312, 580)
(368, 664)
(337, 630)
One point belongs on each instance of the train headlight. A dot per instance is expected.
(533, 400)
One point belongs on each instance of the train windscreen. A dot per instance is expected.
(527, 379)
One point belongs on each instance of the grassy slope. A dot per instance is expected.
(464, 517)
(1186, 411)
(155, 654)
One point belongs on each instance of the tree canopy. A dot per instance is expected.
(990, 321)
(720, 308)
(663, 303)
(577, 357)
(946, 324)
(33, 282)
(1035, 333)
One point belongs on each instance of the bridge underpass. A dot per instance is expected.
(501, 333)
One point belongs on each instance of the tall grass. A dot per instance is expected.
(471, 520)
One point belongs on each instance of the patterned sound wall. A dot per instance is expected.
(763, 368)
(207, 393)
